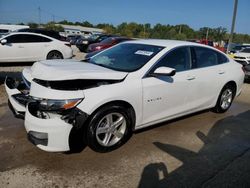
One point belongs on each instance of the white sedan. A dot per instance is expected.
(127, 87)
(243, 57)
(25, 47)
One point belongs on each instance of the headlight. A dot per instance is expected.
(55, 105)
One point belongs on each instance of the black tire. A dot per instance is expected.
(220, 107)
(96, 122)
(54, 55)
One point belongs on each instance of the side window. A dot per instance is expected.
(222, 58)
(179, 59)
(205, 57)
(35, 38)
(24, 38)
(15, 39)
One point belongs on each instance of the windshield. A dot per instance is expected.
(108, 40)
(246, 50)
(126, 57)
(94, 36)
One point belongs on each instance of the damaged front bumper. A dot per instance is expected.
(54, 125)
(18, 96)
(55, 132)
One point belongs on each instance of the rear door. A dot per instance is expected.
(35, 47)
(208, 75)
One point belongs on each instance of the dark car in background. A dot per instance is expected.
(50, 33)
(82, 44)
(73, 38)
(247, 73)
(108, 42)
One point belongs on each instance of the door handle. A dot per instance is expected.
(20, 46)
(190, 77)
(221, 72)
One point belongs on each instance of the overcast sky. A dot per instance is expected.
(195, 13)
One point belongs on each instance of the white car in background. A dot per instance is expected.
(31, 47)
(243, 57)
(130, 86)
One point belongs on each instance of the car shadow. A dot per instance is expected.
(223, 161)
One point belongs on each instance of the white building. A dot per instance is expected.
(79, 30)
(5, 28)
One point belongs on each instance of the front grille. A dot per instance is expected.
(21, 98)
(38, 138)
(237, 57)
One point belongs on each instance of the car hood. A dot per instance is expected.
(242, 54)
(55, 70)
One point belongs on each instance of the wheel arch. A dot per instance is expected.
(232, 83)
(53, 50)
(127, 105)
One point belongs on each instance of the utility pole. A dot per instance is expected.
(207, 33)
(53, 18)
(180, 29)
(39, 15)
(233, 25)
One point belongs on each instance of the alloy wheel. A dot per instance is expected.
(226, 99)
(111, 129)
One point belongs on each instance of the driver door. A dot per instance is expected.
(164, 96)
(13, 50)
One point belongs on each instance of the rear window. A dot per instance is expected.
(108, 40)
(222, 58)
(4, 30)
(206, 57)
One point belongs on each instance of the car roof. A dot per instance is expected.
(25, 33)
(167, 43)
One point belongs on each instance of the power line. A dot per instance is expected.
(53, 16)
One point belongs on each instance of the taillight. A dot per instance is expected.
(68, 44)
(98, 47)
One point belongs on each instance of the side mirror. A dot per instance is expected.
(164, 71)
(3, 41)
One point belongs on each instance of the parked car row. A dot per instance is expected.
(106, 43)
(83, 43)
(31, 47)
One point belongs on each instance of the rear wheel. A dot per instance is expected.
(109, 129)
(54, 55)
(225, 99)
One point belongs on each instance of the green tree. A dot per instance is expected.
(33, 25)
(52, 26)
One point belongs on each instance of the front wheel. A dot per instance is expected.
(225, 99)
(109, 129)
